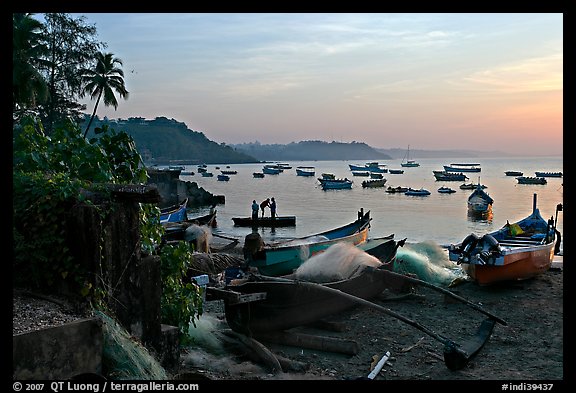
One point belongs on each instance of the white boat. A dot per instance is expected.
(407, 162)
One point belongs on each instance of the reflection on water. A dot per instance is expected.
(482, 217)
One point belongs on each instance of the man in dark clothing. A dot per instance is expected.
(273, 208)
(264, 204)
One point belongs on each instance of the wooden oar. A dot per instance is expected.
(454, 356)
(446, 292)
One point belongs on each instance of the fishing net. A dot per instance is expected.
(429, 262)
(340, 261)
(124, 358)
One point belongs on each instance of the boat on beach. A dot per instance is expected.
(288, 302)
(282, 258)
(174, 231)
(517, 251)
(174, 213)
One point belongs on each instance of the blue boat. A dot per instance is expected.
(282, 258)
(223, 177)
(175, 213)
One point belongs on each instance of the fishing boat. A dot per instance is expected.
(396, 171)
(374, 183)
(407, 162)
(514, 173)
(369, 166)
(223, 177)
(267, 307)
(305, 171)
(327, 176)
(462, 167)
(449, 176)
(446, 190)
(398, 189)
(548, 174)
(278, 221)
(479, 202)
(271, 170)
(374, 175)
(361, 173)
(174, 213)
(517, 251)
(258, 175)
(281, 258)
(174, 231)
(414, 192)
(229, 172)
(207, 174)
(471, 186)
(336, 184)
(531, 180)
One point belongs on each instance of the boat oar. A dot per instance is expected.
(455, 357)
(446, 292)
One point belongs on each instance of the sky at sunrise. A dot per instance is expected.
(479, 81)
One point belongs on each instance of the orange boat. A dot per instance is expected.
(515, 252)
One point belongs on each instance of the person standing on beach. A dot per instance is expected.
(273, 208)
(255, 209)
(264, 204)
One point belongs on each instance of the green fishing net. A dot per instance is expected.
(124, 358)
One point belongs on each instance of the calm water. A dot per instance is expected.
(440, 218)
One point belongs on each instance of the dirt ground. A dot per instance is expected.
(528, 348)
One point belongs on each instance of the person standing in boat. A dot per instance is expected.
(255, 209)
(264, 205)
(273, 208)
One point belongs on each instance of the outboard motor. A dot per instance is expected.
(490, 249)
(468, 245)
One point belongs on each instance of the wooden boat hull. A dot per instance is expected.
(291, 304)
(285, 257)
(280, 221)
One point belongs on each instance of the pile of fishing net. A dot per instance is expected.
(124, 358)
(429, 262)
(339, 262)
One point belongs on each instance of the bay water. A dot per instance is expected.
(438, 218)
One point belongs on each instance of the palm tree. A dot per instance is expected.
(29, 87)
(104, 80)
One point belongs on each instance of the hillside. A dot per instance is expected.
(311, 150)
(162, 141)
